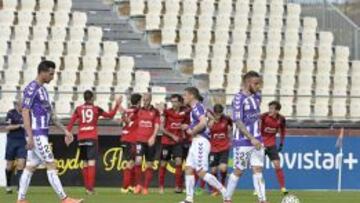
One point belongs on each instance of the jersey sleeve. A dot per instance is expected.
(237, 109)
(8, 119)
(28, 97)
(282, 130)
(74, 118)
(157, 119)
(109, 114)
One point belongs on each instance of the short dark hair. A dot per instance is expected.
(88, 95)
(135, 98)
(276, 104)
(45, 66)
(178, 97)
(195, 92)
(251, 74)
(218, 108)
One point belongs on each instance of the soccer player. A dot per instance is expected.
(37, 113)
(128, 142)
(15, 145)
(220, 128)
(172, 141)
(148, 121)
(272, 123)
(198, 157)
(247, 142)
(87, 116)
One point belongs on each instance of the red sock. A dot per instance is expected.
(91, 175)
(178, 176)
(85, 173)
(132, 179)
(138, 175)
(202, 183)
(162, 172)
(148, 177)
(280, 177)
(196, 178)
(126, 178)
(223, 177)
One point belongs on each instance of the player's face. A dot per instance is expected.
(18, 106)
(272, 110)
(254, 84)
(175, 103)
(146, 100)
(49, 75)
(187, 97)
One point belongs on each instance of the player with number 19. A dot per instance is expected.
(87, 116)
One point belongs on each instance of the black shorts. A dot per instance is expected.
(169, 152)
(88, 149)
(185, 150)
(129, 151)
(217, 158)
(15, 149)
(143, 149)
(272, 152)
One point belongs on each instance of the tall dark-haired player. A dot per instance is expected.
(37, 113)
(128, 142)
(172, 141)
(87, 116)
(272, 123)
(198, 158)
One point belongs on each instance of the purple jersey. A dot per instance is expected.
(196, 112)
(36, 99)
(246, 108)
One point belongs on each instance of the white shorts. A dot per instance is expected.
(248, 156)
(198, 156)
(41, 153)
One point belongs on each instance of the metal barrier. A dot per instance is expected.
(330, 18)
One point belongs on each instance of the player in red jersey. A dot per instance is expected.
(172, 140)
(220, 128)
(87, 116)
(148, 124)
(272, 123)
(128, 142)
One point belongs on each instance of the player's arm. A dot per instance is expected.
(166, 132)
(230, 124)
(194, 130)
(69, 138)
(27, 125)
(282, 133)
(113, 112)
(11, 126)
(211, 119)
(73, 120)
(156, 129)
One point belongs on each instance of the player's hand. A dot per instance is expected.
(69, 138)
(280, 147)
(189, 131)
(151, 141)
(160, 107)
(119, 100)
(184, 126)
(30, 143)
(256, 143)
(176, 138)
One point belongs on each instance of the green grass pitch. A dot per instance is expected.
(111, 195)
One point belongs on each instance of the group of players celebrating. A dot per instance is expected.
(200, 137)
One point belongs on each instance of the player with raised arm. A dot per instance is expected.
(37, 114)
(15, 145)
(87, 116)
(128, 142)
(247, 142)
(220, 128)
(272, 123)
(198, 158)
(148, 121)
(172, 141)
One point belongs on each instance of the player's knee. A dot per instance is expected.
(51, 166)
(202, 173)
(20, 164)
(9, 165)
(257, 169)
(189, 171)
(138, 161)
(163, 163)
(237, 172)
(277, 164)
(223, 168)
(91, 163)
(178, 162)
(149, 164)
(130, 164)
(31, 168)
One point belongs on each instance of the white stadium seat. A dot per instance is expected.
(10, 5)
(46, 5)
(94, 34)
(64, 5)
(25, 18)
(79, 19)
(89, 63)
(7, 17)
(110, 48)
(137, 7)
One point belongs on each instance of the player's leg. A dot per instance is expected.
(21, 154)
(138, 167)
(202, 161)
(257, 164)
(190, 165)
(177, 153)
(240, 164)
(223, 166)
(165, 156)
(150, 158)
(85, 169)
(273, 155)
(214, 163)
(129, 163)
(9, 157)
(92, 151)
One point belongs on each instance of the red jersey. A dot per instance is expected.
(270, 126)
(220, 140)
(146, 120)
(172, 123)
(129, 130)
(88, 116)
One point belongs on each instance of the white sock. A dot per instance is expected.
(213, 181)
(231, 186)
(190, 184)
(56, 183)
(259, 185)
(24, 184)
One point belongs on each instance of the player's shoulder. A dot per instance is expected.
(264, 115)
(281, 117)
(31, 87)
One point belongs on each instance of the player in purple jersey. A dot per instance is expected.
(198, 156)
(37, 113)
(247, 143)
